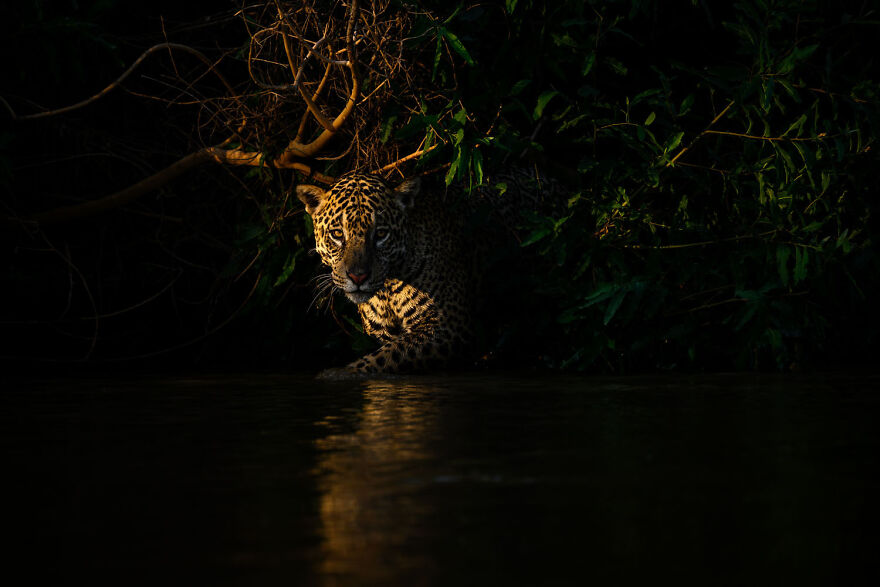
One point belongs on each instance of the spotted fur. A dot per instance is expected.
(390, 252)
(406, 261)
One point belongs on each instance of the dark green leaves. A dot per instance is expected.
(455, 44)
(543, 100)
(739, 235)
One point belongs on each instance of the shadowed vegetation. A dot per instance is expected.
(720, 161)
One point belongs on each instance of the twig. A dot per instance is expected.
(731, 301)
(418, 153)
(302, 122)
(66, 257)
(139, 304)
(120, 79)
(820, 137)
(147, 185)
(201, 337)
(699, 136)
(702, 243)
(129, 194)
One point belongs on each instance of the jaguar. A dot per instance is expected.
(404, 255)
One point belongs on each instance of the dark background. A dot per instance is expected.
(197, 273)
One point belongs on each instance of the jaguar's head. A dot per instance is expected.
(360, 230)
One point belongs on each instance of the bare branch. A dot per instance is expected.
(302, 122)
(155, 181)
(705, 131)
(120, 79)
(305, 150)
(238, 157)
(409, 157)
(125, 196)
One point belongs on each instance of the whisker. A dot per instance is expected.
(324, 287)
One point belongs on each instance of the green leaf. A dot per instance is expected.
(789, 162)
(417, 125)
(457, 45)
(543, 100)
(600, 294)
(387, 127)
(767, 94)
(453, 169)
(438, 52)
(826, 181)
(796, 56)
(650, 119)
(289, 266)
(572, 122)
(519, 87)
(789, 89)
(616, 66)
(844, 242)
(535, 236)
(477, 164)
(510, 5)
(804, 52)
(797, 124)
(564, 40)
(612, 308)
(673, 141)
(686, 105)
(588, 64)
(642, 96)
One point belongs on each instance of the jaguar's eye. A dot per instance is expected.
(381, 234)
(337, 234)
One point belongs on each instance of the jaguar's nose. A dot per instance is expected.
(358, 278)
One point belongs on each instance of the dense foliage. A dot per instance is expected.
(719, 159)
(723, 211)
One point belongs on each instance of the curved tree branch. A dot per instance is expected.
(160, 178)
(124, 196)
(305, 150)
(290, 158)
(121, 78)
(237, 157)
(409, 157)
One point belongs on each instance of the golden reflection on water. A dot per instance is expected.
(369, 483)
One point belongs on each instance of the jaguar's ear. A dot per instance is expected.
(312, 196)
(407, 192)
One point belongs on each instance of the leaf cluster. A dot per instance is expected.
(723, 214)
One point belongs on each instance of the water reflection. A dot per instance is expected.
(457, 481)
(492, 481)
(369, 480)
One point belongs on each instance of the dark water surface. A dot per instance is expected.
(465, 480)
